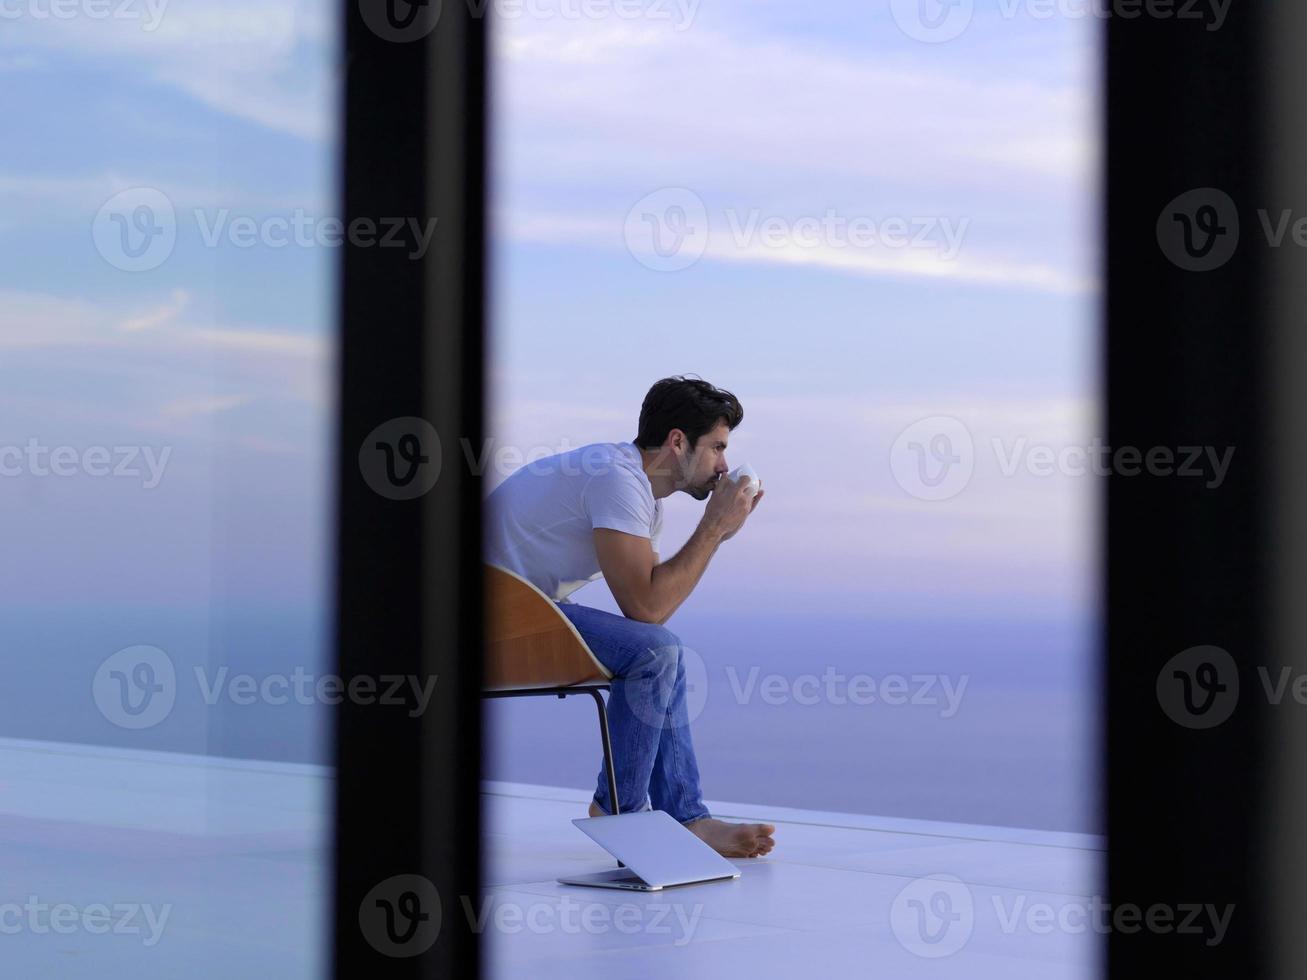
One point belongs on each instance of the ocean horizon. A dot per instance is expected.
(987, 721)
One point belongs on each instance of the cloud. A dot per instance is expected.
(262, 61)
(160, 315)
(190, 407)
(880, 261)
(158, 370)
(592, 116)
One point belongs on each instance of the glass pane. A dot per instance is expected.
(168, 179)
(878, 229)
(875, 225)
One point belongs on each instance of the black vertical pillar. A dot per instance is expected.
(1187, 555)
(408, 593)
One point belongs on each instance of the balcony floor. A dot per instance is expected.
(237, 853)
(840, 895)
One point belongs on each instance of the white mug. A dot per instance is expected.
(749, 473)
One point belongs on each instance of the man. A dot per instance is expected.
(564, 521)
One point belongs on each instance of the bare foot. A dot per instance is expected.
(744, 840)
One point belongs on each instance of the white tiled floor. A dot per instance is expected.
(841, 895)
(237, 854)
(229, 856)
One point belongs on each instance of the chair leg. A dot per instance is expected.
(608, 754)
(608, 750)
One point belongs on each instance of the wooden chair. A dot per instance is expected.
(532, 649)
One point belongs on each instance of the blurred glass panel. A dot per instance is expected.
(167, 263)
(876, 224)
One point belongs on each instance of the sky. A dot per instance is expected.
(749, 113)
(981, 147)
(884, 245)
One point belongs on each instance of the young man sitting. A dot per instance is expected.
(564, 521)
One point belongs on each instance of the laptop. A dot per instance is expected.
(658, 853)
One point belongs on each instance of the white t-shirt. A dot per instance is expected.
(540, 522)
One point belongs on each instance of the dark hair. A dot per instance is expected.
(689, 404)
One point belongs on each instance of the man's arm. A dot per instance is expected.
(650, 592)
(647, 591)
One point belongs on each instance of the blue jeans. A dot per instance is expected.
(647, 721)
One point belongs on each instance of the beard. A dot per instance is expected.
(701, 491)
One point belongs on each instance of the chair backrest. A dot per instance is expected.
(529, 642)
